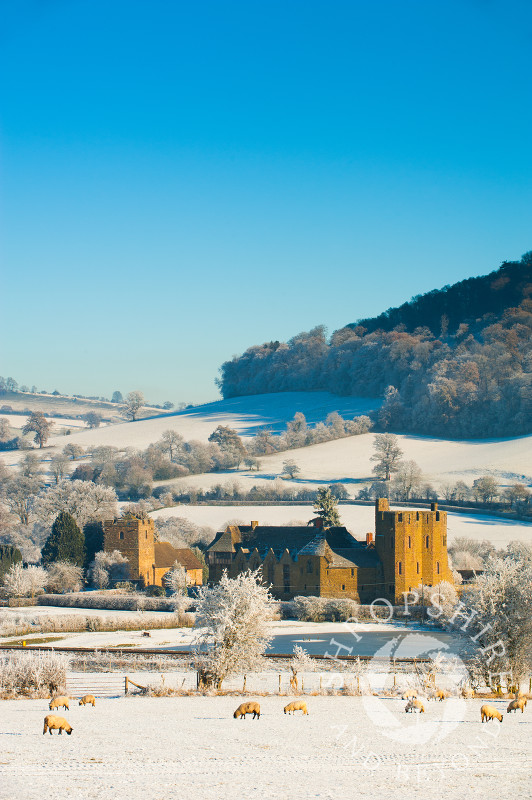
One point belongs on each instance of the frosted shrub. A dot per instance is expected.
(29, 673)
(64, 576)
(22, 581)
(341, 610)
(301, 662)
(309, 609)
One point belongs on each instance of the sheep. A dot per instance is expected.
(58, 702)
(489, 712)
(53, 723)
(87, 699)
(519, 702)
(247, 708)
(414, 704)
(409, 694)
(467, 693)
(297, 705)
(441, 695)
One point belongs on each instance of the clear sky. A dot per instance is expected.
(181, 180)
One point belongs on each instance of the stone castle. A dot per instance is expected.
(409, 549)
(149, 560)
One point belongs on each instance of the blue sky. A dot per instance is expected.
(179, 181)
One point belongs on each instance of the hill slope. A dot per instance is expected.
(455, 362)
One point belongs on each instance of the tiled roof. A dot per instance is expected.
(166, 556)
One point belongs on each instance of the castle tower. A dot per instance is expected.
(134, 537)
(412, 545)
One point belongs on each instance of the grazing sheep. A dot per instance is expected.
(490, 712)
(415, 704)
(87, 699)
(297, 705)
(58, 702)
(409, 694)
(441, 695)
(53, 723)
(247, 708)
(467, 693)
(520, 702)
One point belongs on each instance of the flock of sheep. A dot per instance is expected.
(414, 703)
(487, 712)
(53, 723)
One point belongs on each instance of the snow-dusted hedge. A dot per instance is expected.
(322, 609)
(32, 673)
(112, 602)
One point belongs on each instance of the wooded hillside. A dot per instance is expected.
(454, 362)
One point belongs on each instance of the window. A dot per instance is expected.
(437, 515)
(146, 534)
(438, 567)
(400, 568)
(309, 565)
(417, 514)
(418, 567)
(352, 573)
(121, 535)
(400, 516)
(343, 587)
(427, 541)
(410, 541)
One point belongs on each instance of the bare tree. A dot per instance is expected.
(387, 455)
(38, 423)
(290, 468)
(59, 466)
(407, 480)
(134, 402)
(30, 466)
(171, 443)
(19, 495)
(73, 451)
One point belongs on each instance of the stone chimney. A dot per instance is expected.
(433, 506)
(318, 523)
(369, 538)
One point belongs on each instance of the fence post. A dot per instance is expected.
(303, 685)
(394, 675)
(126, 688)
(279, 684)
(244, 686)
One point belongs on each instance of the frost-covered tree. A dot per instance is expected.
(134, 402)
(326, 507)
(407, 480)
(300, 662)
(73, 451)
(502, 601)
(387, 455)
(30, 466)
(63, 576)
(82, 499)
(291, 468)
(108, 569)
(485, 489)
(92, 419)
(171, 443)
(24, 581)
(176, 580)
(59, 466)
(19, 494)
(41, 426)
(232, 619)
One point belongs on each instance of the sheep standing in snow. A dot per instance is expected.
(247, 708)
(53, 723)
(489, 712)
(297, 705)
(519, 702)
(409, 694)
(415, 705)
(58, 702)
(87, 699)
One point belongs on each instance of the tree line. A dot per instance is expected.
(454, 362)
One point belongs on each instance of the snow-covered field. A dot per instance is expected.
(357, 519)
(154, 748)
(344, 460)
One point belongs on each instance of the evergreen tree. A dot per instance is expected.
(326, 507)
(9, 555)
(93, 533)
(65, 543)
